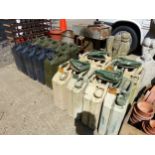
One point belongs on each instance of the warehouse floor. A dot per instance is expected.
(26, 106)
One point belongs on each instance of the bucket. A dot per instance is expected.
(56, 35)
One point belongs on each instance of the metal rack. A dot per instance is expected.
(20, 30)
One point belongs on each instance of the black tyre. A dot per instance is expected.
(135, 40)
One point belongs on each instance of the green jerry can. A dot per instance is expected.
(46, 42)
(63, 53)
(37, 41)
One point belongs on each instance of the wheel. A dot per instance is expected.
(134, 37)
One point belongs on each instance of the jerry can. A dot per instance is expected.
(23, 53)
(69, 99)
(132, 70)
(116, 99)
(39, 64)
(28, 57)
(46, 43)
(97, 59)
(74, 51)
(71, 50)
(76, 86)
(51, 67)
(95, 93)
(18, 62)
(115, 104)
(60, 81)
(92, 104)
(63, 54)
(53, 44)
(42, 41)
(119, 108)
(17, 53)
(108, 104)
(36, 41)
(62, 47)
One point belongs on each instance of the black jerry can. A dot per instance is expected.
(38, 62)
(28, 59)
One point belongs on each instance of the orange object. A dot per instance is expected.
(151, 98)
(63, 25)
(152, 123)
(153, 89)
(56, 35)
(61, 69)
(145, 107)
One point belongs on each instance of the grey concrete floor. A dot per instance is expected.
(26, 106)
(6, 57)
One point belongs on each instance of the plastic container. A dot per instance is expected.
(23, 52)
(120, 107)
(108, 104)
(17, 51)
(132, 70)
(63, 53)
(97, 59)
(16, 56)
(38, 62)
(28, 58)
(95, 94)
(76, 87)
(60, 81)
(51, 67)
(92, 103)
(56, 34)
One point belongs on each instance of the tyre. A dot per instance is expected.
(134, 35)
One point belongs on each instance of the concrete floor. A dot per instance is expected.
(26, 106)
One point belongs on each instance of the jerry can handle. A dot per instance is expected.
(79, 66)
(109, 76)
(127, 63)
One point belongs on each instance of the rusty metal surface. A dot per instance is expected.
(98, 32)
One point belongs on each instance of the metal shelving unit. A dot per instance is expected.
(19, 30)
